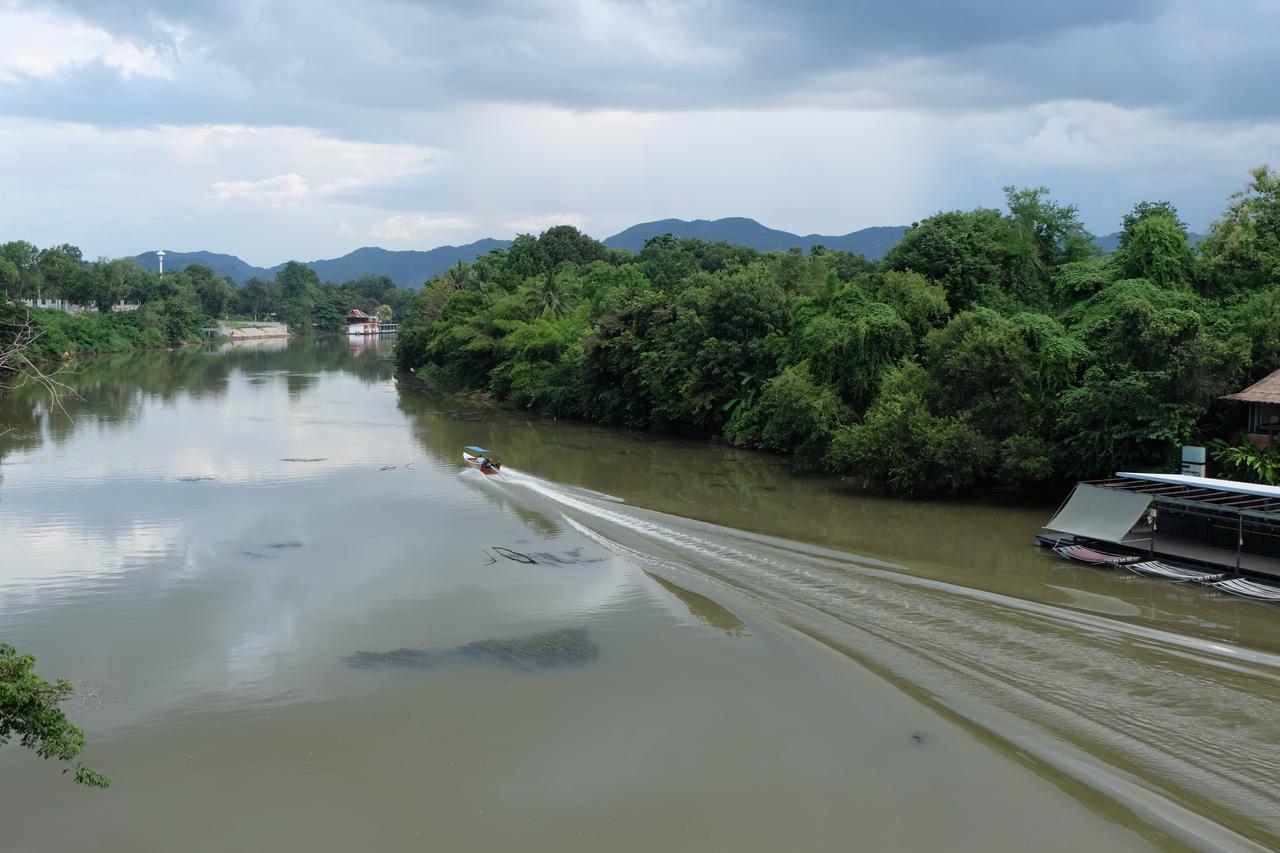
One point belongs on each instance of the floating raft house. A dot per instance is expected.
(1178, 527)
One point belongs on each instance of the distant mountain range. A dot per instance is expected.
(406, 268)
(872, 242)
(411, 268)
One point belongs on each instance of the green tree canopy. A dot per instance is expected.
(1242, 249)
(29, 709)
(968, 253)
(566, 244)
(1154, 246)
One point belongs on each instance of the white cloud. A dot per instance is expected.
(266, 194)
(40, 43)
(537, 223)
(282, 189)
(417, 227)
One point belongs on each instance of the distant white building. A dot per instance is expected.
(68, 308)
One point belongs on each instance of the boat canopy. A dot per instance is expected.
(1206, 483)
(1094, 512)
(474, 449)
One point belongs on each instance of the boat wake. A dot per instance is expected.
(1193, 751)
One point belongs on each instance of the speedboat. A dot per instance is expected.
(482, 460)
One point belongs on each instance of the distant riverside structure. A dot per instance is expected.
(360, 324)
(67, 307)
(160, 255)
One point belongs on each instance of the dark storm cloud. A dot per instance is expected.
(337, 62)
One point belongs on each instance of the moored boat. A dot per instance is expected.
(482, 460)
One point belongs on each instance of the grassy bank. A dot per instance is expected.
(154, 326)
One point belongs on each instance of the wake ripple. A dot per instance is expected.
(1184, 732)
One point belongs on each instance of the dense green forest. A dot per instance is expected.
(988, 346)
(171, 309)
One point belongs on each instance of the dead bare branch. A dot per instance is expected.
(17, 368)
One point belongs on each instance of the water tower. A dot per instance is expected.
(160, 255)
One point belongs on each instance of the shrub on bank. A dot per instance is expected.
(154, 326)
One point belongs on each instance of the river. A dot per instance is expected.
(297, 623)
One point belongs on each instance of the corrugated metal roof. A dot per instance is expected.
(1211, 483)
(1265, 390)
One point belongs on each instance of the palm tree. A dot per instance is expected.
(548, 296)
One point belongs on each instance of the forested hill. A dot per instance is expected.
(411, 268)
(229, 265)
(873, 243)
(405, 268)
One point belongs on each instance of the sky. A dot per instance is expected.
(278, 129)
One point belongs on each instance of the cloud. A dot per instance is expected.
(41, 42)
(290, 62)
(282, 189)
(277, 128)
(417, 228)
(537, 223)
(262, 192)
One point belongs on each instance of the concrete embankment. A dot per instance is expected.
(255, 332)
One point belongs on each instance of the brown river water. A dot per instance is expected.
(297, 623)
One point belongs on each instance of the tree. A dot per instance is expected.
(29, 709)
(1242, 249)
(25, 259)
(215, 292)
(117, 279)
(981, 364)
(385, 313)
(1143, 210)
(296, 283)
(526, 258)
(850, 350)
(1110, 424)
(328, 308)
(968, 253)
(376, 288)
(666, 261)
(1076, 280)
(59, 270)
(1045, 235)
(10, 277)
(79, 285)
(259, 297)
(903, 447)
(1153, 245)
(566, 244)
(916, 299)
(793, 414)
(549, 295)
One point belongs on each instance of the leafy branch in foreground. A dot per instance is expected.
(29, 709)
(1248, 462)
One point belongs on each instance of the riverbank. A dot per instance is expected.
(151, 327)
(481, 402)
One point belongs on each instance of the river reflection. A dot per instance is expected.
(211, 537)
